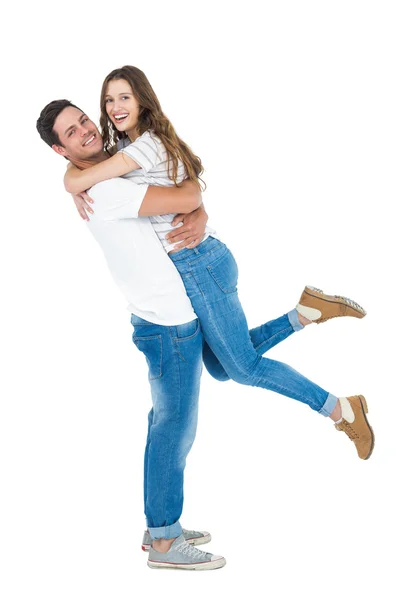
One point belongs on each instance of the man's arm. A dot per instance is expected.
(161, 200)
(120, 198)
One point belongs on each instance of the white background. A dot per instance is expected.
(294, 110)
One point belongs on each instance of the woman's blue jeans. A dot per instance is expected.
(210, 275)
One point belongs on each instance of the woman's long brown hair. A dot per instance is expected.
(151, 118)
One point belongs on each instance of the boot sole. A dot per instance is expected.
(364, 407)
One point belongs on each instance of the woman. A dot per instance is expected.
(151, 152)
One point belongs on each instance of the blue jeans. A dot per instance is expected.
(210, 275)
(174, 359)
(174, 356)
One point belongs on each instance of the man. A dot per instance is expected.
(166, 329)
(167, 332)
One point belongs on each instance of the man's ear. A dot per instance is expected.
(59, 150)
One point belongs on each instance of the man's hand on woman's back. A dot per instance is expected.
(192, 230)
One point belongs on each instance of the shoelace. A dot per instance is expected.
(347, 428)
(190, 550)
(352, 303)
(347, 300)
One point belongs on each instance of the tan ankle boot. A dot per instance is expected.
(355, 424)
(318, 307)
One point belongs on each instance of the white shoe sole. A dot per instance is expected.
(207, 566)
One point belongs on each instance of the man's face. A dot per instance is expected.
(79, 136)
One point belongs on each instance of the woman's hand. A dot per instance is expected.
(82, 204)
(191, 232)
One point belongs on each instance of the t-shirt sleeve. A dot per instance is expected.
(146, 151)
(117, 198)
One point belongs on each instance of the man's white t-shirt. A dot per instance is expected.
(135, 256)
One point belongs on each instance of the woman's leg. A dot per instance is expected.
(209, 273)
(263, 338)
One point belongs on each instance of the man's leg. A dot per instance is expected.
(174, 359)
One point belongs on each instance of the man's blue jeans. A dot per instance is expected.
(174, 358)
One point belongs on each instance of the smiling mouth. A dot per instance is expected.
(90, 140)
(121, 118)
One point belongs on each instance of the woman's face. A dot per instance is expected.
(122, 107)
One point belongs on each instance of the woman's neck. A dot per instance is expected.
(132, 134)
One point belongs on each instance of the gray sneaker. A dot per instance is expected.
(196, 538)
(182, 555)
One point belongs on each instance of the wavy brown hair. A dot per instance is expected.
(151, 117)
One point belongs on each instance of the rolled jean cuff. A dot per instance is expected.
(168, 532)
(329, 405)
(293, 317)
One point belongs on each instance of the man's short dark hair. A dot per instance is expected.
(45, 122)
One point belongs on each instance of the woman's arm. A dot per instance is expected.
(77, 181)
(162, 200)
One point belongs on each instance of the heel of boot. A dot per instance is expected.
(364, 403)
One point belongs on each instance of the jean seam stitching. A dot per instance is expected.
(283, 331)
(172, 448)
(221, 339)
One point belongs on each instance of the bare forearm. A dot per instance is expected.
(76, 180)
(162, 200)
(201, 209)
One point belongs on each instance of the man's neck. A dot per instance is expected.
(89, 162)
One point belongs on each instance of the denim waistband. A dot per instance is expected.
(202, 248)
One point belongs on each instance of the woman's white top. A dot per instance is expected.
(150, 153)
